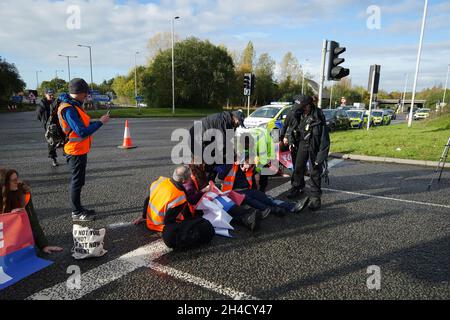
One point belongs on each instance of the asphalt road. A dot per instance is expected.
(373, 214)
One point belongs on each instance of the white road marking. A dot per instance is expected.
(115, 269)
(389, 198)
(144, 256)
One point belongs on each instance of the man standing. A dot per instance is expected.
(44, 110)
(222, 122)
(76, 125)
(307, 135)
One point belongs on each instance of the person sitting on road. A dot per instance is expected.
(16, 195)
(199, 185)
(167, 201)
(168, 212)
(241, 178)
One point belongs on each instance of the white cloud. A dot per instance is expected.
(33, 32)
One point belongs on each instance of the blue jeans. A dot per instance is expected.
(77, 166)
(259, 200)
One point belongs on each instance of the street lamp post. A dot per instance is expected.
(37, 78)
(68, 62)
(404, 93)
(90, 61)
(173, 65)
(424, 19)
(446, 83)
(135, 77)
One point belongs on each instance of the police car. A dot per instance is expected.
(269, 116)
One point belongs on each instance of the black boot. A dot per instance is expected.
(55, 162)
(279, 212)
(301, 204)
(251, 220)
(294, 193)
(315, 204)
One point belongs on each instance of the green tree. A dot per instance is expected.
(10, 81)
(203, 76)
(248, 58)
(265, 86)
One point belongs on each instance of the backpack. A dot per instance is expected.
(54, 133)
(188, 233)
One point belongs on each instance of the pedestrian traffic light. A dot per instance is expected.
(336, 72)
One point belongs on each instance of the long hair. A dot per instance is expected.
(199, 174)
(7, 201)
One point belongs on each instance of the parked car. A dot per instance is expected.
(422, 114)
(269, 116)
(392, 113)
(380, 118)
(358, 119)
(336, 119)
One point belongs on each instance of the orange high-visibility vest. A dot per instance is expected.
(76, 146)
(228, 182)
(163, 197)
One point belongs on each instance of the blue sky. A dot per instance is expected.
(34, 32)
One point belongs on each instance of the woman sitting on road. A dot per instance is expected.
(16, 195)
(199, 184)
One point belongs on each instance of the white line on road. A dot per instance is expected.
(142, 257)
(115, 269)
(389, 198)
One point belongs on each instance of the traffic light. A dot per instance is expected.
(336, 72)
(248, 84)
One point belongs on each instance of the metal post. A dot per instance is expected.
(135, 77)
(371, 97)
(248, 106)
(322, 72)
(331, 94)
(419, 53)
(37, 79)
(404, 94)
(90, 60)
(68, 62)
(446, 83)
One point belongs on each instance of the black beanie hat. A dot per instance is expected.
(78, 85)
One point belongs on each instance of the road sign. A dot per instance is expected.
(100, 98)
(139, 98)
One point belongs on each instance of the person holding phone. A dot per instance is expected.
(76, 124)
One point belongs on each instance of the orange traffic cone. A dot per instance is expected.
(127, 144)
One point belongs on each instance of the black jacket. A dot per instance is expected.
(43, 110)
(219, 121)
(320, 138)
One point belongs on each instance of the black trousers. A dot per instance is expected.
(77, 166)
(52, 152)
(302, 155)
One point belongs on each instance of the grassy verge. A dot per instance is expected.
(153, 112)
(425, 140)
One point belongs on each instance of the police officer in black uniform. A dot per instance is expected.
(306, 133)
(44, 110)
